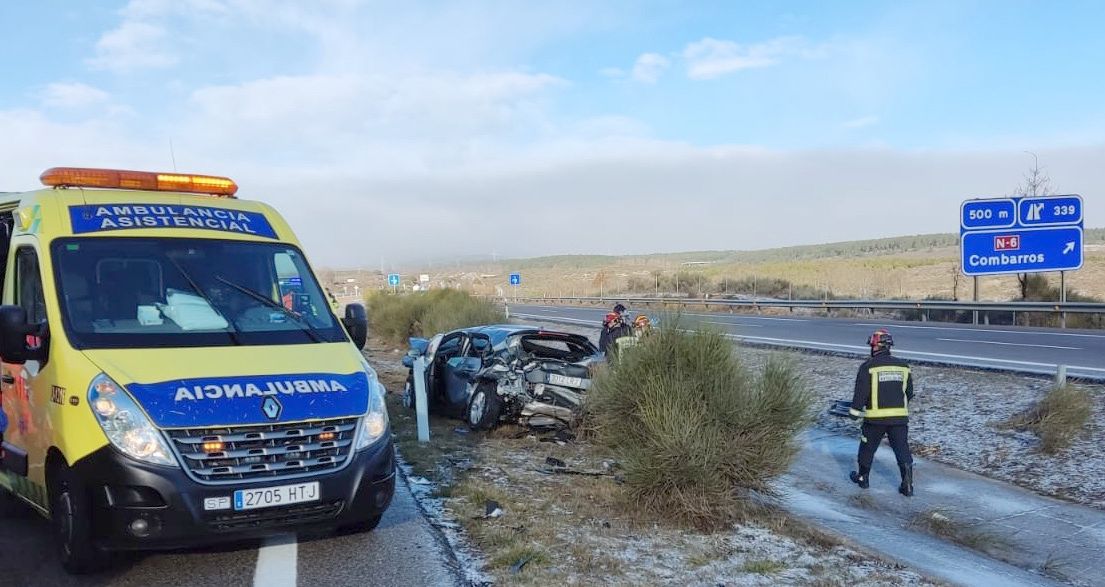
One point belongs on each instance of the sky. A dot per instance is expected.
(393, 132)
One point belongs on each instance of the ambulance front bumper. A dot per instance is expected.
(171, 505)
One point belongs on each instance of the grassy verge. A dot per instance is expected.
(397, 317)
(1057, 419)
(563, 529)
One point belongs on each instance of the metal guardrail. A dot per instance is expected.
(1061, 372)
(921, 305)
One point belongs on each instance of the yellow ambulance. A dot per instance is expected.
(173, 374)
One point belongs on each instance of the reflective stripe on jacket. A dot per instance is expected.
(884, 387)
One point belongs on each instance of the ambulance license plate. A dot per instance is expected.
(268, 497)
(565, 381)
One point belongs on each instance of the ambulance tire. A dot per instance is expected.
(361, 527)
(71, 517)
(484, 407)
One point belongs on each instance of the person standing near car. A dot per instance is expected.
(884, 388)
(614, 326)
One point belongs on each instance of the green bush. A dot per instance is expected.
(395, 317)
(695, 429)
(1057, 419)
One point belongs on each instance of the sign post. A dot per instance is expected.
(393, 281)
(1021, 235)
(515, 281)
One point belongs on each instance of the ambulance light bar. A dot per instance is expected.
(64, 177)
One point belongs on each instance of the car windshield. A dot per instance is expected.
(166, 292)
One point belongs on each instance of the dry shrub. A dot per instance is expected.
(695, 429)
(1057, 419)
(395, 317)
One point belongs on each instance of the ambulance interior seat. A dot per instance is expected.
(122, 289)
(78, 300)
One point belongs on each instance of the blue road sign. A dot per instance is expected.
(515, 279)
(393, 279)
(983, 214)
(1050, 211)
(1021, 235)
(1021, 250)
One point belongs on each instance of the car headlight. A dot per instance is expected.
(374, 424)
(125, 424)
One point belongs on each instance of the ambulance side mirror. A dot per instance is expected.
(356, 323)
(13, 335)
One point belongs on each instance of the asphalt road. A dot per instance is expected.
(1031, 350)
(403, 550)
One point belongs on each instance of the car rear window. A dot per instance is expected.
(557, 347)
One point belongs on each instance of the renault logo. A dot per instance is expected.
(271, 407)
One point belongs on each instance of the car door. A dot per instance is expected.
(462, 368)
(437, 378)
(25, 394)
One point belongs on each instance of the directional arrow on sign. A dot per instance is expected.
(1068, 248)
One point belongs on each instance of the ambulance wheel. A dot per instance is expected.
(361, 527)
(71, 514)
(483, 407)
(408, 393)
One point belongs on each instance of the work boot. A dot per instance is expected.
(862, 478)
(906, 488)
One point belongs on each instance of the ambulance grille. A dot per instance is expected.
(267, 452)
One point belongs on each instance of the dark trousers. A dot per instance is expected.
(871, 437)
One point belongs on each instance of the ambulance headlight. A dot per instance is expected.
(374, 424)
(124, 423)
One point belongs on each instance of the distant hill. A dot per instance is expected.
(881, 246)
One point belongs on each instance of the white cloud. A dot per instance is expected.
(710, 58)
(72, 95)
(649, 67)
(133, 45)
(861, 122)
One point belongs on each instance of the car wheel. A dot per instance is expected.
(483, 408)
(361, 527)
(71, 517)
(408, 393)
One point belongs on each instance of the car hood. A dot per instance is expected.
(233, 386)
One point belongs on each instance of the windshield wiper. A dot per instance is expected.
(232, 329)
(260, 297)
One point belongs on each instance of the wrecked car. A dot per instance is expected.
(491, 374)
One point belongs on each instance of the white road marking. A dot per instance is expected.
(903, 352)
(744, 317)
(594, 323)
(1039, 346)
(276, 562)
(1074, 334)
(732, 324)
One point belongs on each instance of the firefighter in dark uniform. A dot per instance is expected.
(884, 388)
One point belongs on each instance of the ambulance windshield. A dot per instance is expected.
(165, 292)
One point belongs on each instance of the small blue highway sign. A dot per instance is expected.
(393, 279)
(1050, 211)
(515, 279)
(984, 214)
